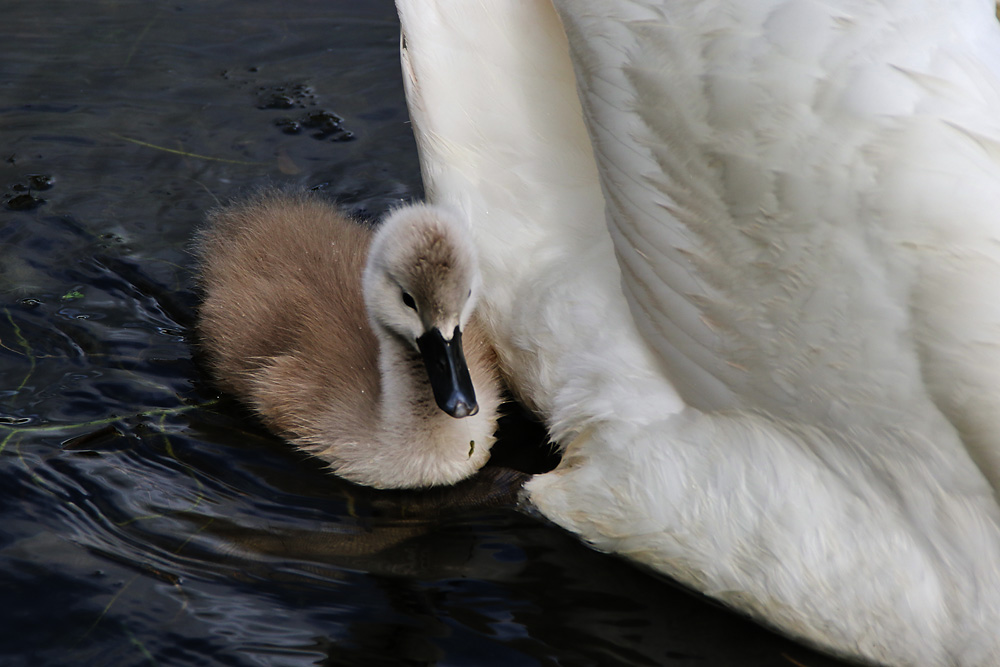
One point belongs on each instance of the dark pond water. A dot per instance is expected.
(146, 521)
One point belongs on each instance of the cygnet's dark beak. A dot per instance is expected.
(448, 373)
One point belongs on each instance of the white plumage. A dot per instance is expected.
(744, 258)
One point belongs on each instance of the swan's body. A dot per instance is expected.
(322, 326)
(752, 284)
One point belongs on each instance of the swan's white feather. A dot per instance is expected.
(804, 203)
(773, 363)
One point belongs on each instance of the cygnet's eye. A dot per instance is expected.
(408, 301)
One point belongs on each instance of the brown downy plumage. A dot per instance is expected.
(349, 342)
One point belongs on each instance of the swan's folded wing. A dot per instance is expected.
(752, 166)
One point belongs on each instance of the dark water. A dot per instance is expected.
(144, 521)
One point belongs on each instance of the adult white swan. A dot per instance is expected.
(753, 286)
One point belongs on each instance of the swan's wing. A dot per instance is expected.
(803, 198)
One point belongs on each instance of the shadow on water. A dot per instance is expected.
(145, 519)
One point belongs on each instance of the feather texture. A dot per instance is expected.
(743, 258)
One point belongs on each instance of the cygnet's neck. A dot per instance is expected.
(420, 444)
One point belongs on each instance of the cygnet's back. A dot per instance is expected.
(282, 275)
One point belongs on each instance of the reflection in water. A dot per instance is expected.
(145, 520)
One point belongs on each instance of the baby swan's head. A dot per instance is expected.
(420, 285)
